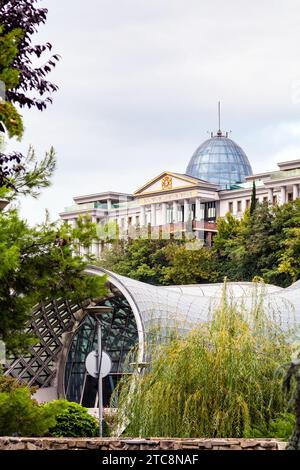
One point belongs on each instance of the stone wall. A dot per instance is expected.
(46, 443)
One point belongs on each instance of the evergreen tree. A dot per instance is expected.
(253, 198)
(37, 264)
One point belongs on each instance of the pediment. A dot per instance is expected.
(168, 181)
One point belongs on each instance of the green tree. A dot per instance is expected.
(33, 88)
(9, 78)
(253, 198)
(161, 262)
(217, 381)
(140, 259)
(36, 264)
(188, 266)
(262, 244)
(289, 256)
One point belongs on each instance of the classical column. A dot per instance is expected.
(198, 209)
(142, 216)
(175, 212)
(109, 205)
(153, 215)
(164, 213)
(295, 191)
(186, 210)
(270, 195)
(283, 194)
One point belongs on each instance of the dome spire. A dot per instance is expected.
(219, 133)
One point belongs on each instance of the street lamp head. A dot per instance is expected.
(97, 310)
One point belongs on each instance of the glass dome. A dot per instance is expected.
(219, 160)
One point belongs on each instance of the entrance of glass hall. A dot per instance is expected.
(119, 337)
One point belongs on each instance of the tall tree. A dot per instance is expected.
(33, 89)
(9, 79)
(253, 198)
(36, 264)
(161, 262)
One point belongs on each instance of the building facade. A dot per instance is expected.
(218, 179)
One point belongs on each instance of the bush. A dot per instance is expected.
(217, 381)
(19, 413)
(280, 428)
(72, 420)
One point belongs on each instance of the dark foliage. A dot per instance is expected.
(10, 165)
(25, 14)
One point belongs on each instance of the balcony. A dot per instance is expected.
(209, 226)
(86, 207)
(285, 174)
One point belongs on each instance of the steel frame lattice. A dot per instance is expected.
(50, 321)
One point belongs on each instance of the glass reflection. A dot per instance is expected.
(219, 160)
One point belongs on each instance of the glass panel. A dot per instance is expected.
(119, 336)
(219, 160)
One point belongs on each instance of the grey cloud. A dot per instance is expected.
(140, 79)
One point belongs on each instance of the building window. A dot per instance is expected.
(180, 213)
(129, 220)
(230, 207)
(265, 199)
(290, 197)
(210, 210)
(137, 220)
(247, 203)
(239, 206)
(274, 200)
(193, 211)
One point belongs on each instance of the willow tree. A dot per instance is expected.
(217, 381)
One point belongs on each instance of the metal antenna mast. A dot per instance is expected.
(219, 133)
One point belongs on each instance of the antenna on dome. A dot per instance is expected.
(219, 133)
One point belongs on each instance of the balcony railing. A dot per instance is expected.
(84, 207)
(285, 174)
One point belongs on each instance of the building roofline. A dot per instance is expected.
(289, 164)
(188, 178)
(102, 195)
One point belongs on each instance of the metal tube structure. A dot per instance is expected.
(100, 392)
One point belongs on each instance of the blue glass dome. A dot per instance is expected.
(219, 160)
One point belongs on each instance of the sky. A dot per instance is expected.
(139, 82)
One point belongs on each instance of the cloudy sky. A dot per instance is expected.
(139, 85)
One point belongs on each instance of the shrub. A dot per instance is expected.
(281, 428)
(19, 413)
(217, 381)
(72, 420)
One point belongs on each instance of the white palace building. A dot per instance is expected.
(218, 179)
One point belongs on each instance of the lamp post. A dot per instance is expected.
(96, 312)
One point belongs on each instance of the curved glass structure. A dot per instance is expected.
(219, 160)
(66, 333)
(119, 336)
